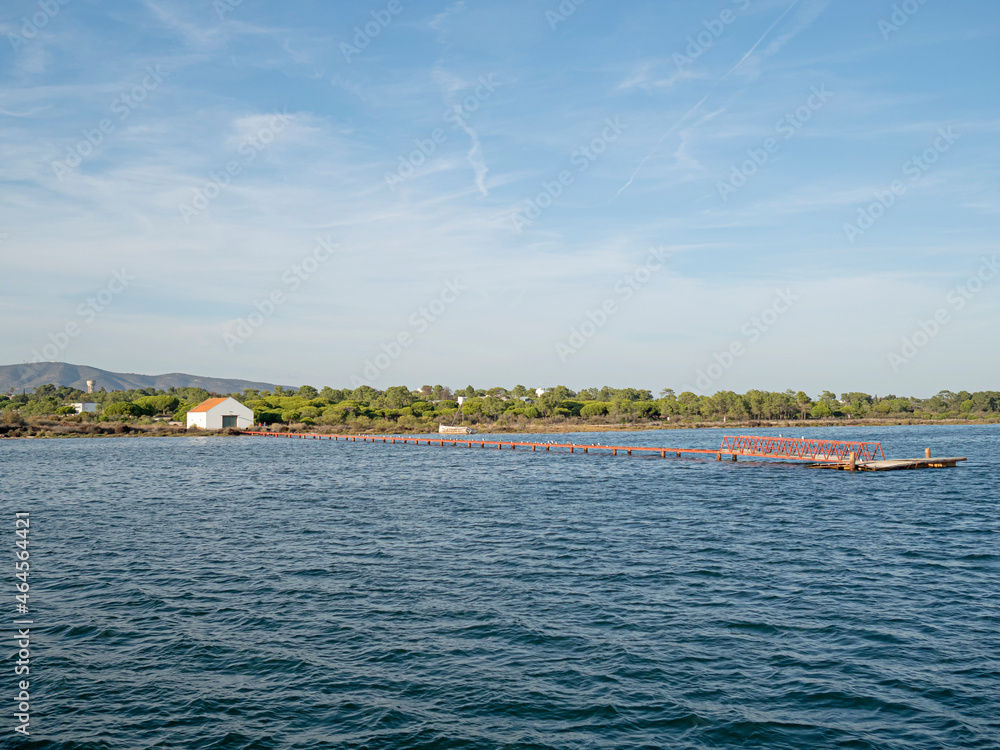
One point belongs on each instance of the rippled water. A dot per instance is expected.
(258, 593)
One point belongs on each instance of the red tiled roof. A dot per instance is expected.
(206, 405)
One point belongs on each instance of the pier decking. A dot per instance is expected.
(899, 464)
(827, 454)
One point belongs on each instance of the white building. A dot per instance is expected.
(85, 407)
(218, 413)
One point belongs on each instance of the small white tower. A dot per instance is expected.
(90, 386)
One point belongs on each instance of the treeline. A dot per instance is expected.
(49, 400)
(399, 408)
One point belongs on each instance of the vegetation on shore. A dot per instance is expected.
(47, 411)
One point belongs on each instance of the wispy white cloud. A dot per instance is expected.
(646, 76)
(813, 10)
(325, 174)
(437, 23)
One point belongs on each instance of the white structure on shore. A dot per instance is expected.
(86, 406)
(218, 413)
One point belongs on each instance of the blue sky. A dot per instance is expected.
(717, 195)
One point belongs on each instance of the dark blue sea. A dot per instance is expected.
(238, 593)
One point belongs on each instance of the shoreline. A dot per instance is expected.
(118, 430)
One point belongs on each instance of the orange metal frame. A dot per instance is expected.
(801, 450)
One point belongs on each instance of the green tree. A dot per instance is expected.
(687, 403)
(181, 414)
(668, 403)
(363, 394)
(337, 414)
(778, 406)
(547, 404)
(594, 409)
(266, 416)
(985, 400)
(757, 403)
(803, 401)
(473, 407)
(562, 393)
(419, 408)
(122, 409)
(493, 407)
(623, 409)
(395, 397)
(40, 406)
(822, 410)
(162, 404)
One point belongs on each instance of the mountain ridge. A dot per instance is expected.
(28, 376)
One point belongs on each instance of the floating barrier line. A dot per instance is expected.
(789, 449)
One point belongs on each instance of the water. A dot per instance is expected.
(260, 593)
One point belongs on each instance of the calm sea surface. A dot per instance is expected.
(258, 593)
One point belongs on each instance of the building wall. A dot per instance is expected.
(244, 416)
(212, 419)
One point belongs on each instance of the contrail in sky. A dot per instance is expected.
(696, 106)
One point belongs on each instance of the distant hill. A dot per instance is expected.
(30, 376)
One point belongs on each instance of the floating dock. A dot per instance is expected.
(826, 454)
(898, 464)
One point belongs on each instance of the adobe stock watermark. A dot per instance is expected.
(363, 35)
(786, 127)
(123, 105)
(427, 147)
(420, 320)
(224, 7)
(957, 299)
(624, 290)
(915, 168)
(751, 332)
(562, 12)
(249, 149)
(901, 14)
(291, 281)
(32, 25)
(86, 313)
(582, 158)
(698, 44)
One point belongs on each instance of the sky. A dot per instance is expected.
(705, 196)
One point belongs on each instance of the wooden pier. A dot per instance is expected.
(826, 454)
(899, 464)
